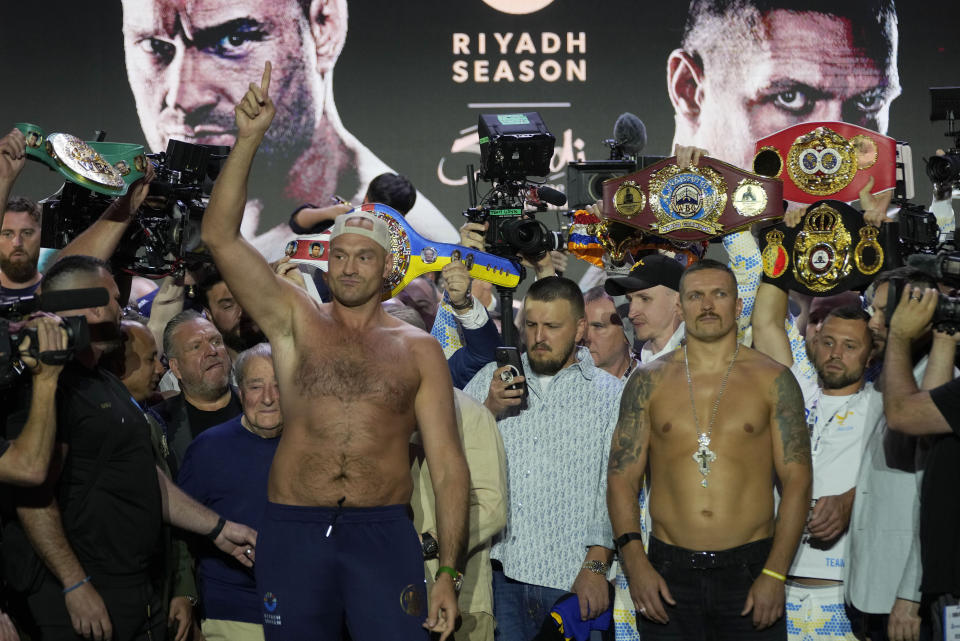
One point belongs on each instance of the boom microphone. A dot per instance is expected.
(57, 301)
(551, 196)
(630, 134)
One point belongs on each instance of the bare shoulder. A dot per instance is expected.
(761, 367)
(424, 347)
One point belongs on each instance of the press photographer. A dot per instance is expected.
(936, 412)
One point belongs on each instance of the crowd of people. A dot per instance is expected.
(270, 451)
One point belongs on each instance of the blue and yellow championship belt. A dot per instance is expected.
(104, 167)
(831, 250)
(827, 160)
(698, 203)
(412, 255)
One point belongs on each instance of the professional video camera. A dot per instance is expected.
(165, 237)
(513, 147)
(944, 171)
(14, 312)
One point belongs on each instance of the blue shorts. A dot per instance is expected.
(368, 573)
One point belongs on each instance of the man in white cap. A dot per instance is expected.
(336, 543)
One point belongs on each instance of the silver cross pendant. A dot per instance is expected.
(703, 457)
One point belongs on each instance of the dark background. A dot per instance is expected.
(64, 70)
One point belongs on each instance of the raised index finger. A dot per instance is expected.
(265, 80)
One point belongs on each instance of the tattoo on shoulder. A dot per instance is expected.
(634, 420)
(790, 419)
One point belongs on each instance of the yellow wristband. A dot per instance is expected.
(775, 575)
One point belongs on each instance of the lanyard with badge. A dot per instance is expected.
(813, 418)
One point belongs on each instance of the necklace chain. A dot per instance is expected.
(701, 437)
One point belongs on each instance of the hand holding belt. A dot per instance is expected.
(827, 159)
(104, 167)
(697, 203)
(412, 255)
(831, 251)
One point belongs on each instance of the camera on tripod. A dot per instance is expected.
(165, 238)
(512, 148)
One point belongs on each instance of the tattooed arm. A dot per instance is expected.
(628, 461)
(790, 443)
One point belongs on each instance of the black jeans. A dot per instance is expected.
(136, 612)
(710, 589)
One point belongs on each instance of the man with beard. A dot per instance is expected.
(852, 458)
(234, 324)
(199, 359)
(95, 523)
(188, 65)
(556, 444)
(336, 539)
(20, 248)
(718, 551)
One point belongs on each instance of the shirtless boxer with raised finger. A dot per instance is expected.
(336, 543)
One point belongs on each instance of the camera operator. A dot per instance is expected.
(934, 412)
(95, 522)
(24, 460)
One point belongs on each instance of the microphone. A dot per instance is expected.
(551, 196)
(630, 134)
(57, 301)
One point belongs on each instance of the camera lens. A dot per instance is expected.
(944, 169)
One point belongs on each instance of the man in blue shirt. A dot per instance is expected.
(226, 469)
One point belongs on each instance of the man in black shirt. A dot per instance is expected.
(936, 412)
(198, 358)
(95, 522)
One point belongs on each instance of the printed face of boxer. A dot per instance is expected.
(793, 67)
(189, 64)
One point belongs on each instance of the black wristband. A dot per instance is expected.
(215, 532)
(623, 539)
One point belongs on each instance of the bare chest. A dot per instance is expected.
(358, 371)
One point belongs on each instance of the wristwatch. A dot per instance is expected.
(456, 576)
(464, 306)
(430, 546)
(597, 567)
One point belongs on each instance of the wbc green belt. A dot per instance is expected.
(104, 167)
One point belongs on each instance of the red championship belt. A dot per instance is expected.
(827, 160)
(697, 203)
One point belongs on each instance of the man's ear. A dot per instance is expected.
(328, 26)
(581, 330)
(685, 85)
(175, 367)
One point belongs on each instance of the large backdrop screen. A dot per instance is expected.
(364, 87)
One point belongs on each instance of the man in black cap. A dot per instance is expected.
(652, 288)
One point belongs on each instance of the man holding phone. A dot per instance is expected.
(567, 421)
